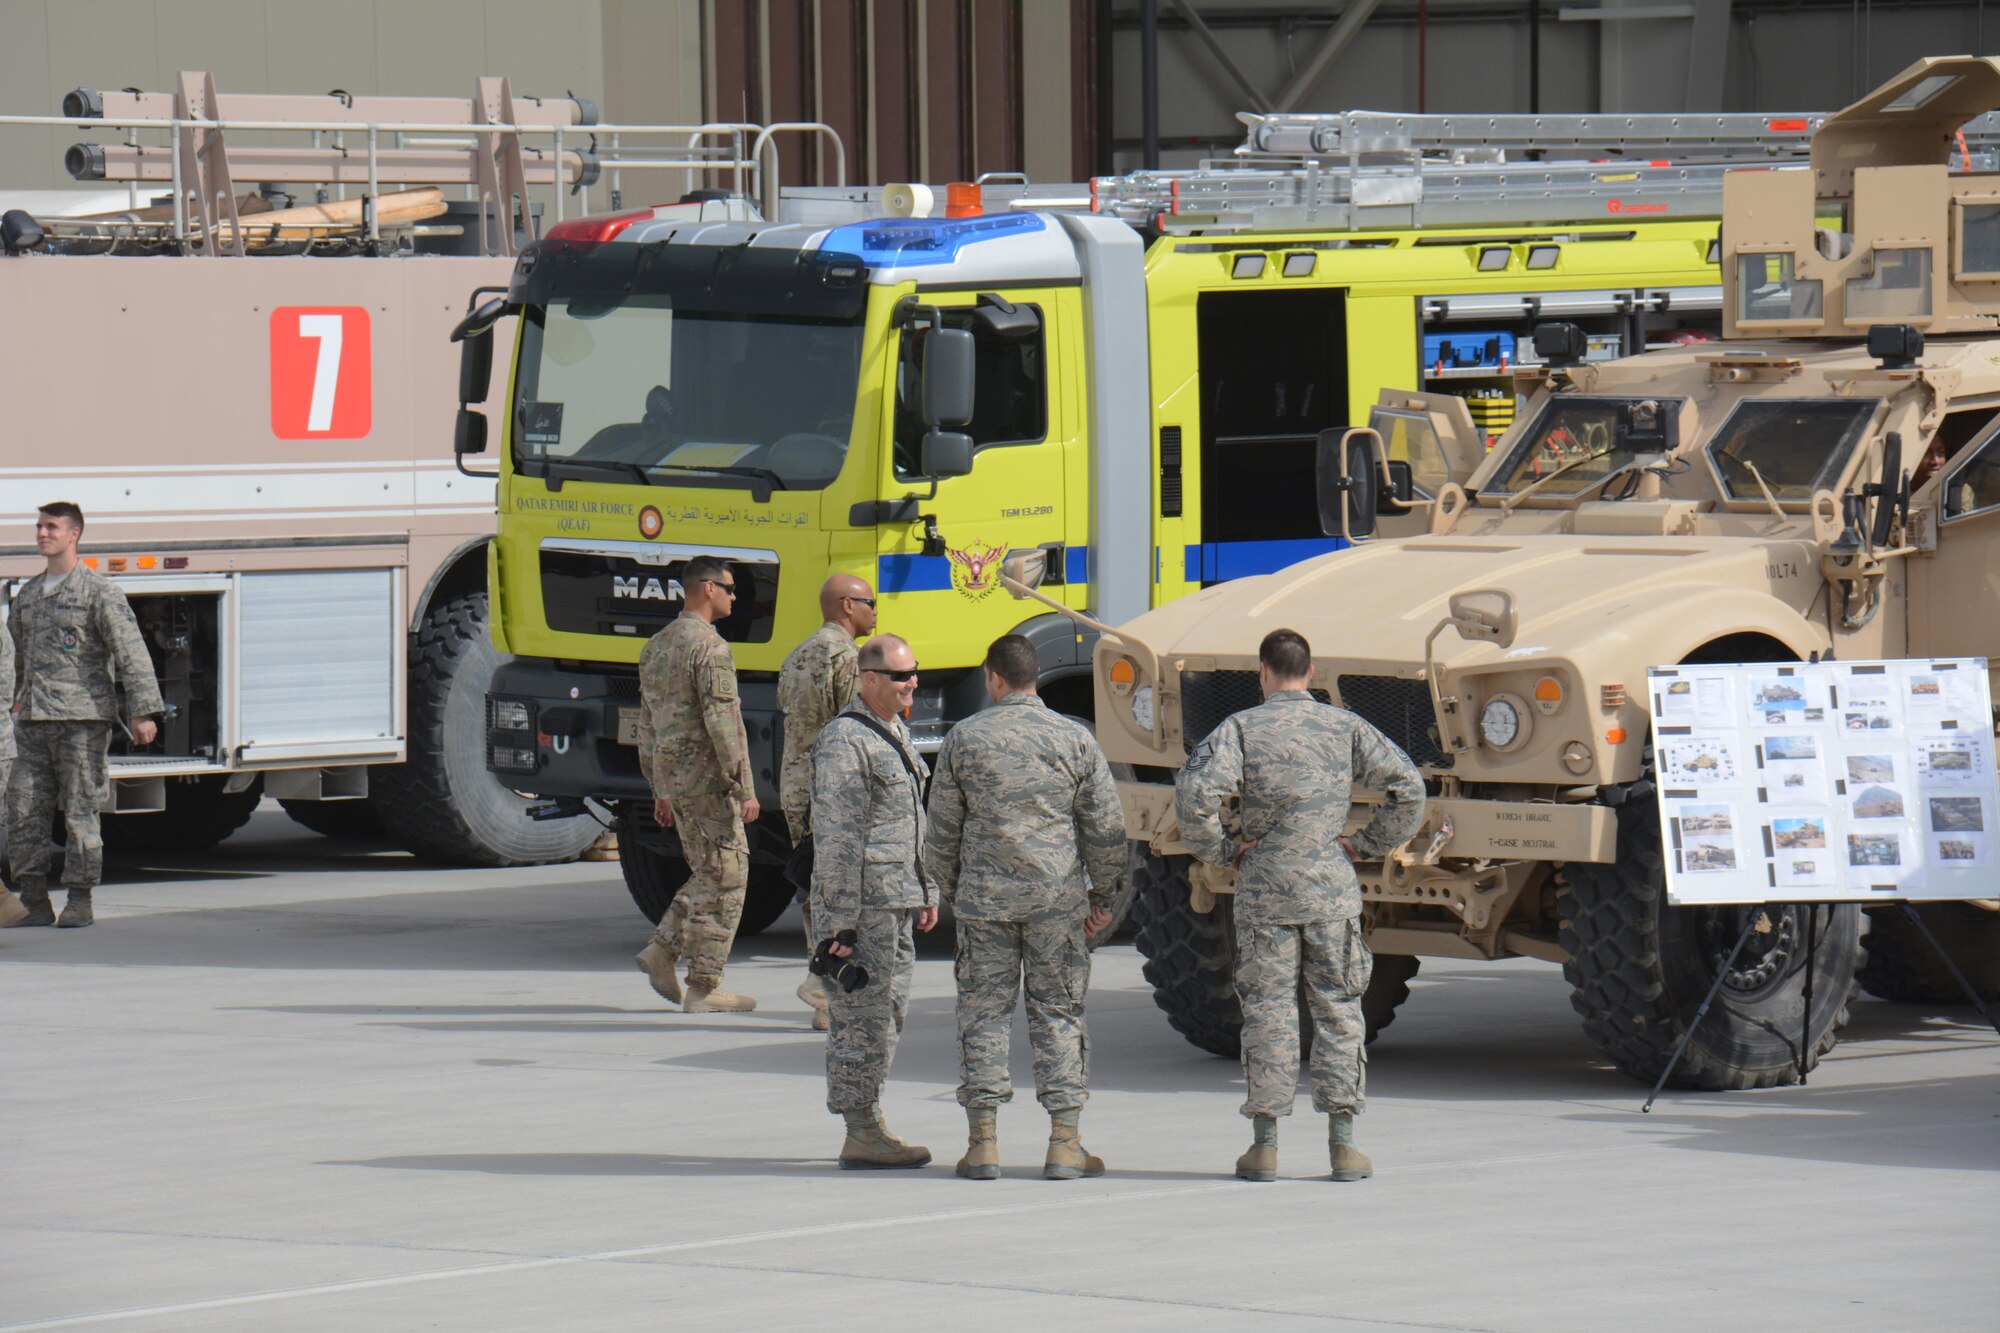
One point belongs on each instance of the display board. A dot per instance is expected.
(1831, 781)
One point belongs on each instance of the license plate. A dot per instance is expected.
(628, 726)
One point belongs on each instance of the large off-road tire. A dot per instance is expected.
(354, 820)
(1638, 969)
(1903, 967)
(443, 804)
(653, 877)
(1191, 962)
(199, 815)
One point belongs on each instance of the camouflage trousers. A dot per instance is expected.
(700, 924)
(1328, 963)
(996, 961)
(60, 766)
(865, 1024)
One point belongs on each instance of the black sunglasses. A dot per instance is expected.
(900, 677)
(728, 588)
(868, 602)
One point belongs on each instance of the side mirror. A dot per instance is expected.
(1344, 476)
(469, 436)
(1892, 492)
(1401, 490)
(1025, 567)
(948, 379)
(1485, 615)
(946, 453)
(475, 366)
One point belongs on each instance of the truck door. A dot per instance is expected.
(1434, 433)
(1955, 591)
(943, 592)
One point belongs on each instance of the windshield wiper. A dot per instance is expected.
(772, 481)
(619, 466)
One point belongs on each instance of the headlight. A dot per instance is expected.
(512, 715)
(1142, 707)
(1500, 723)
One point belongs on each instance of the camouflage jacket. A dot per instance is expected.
(1293, 763)
(869, 823)
(75, 648)
(814, 685)
(691, 740)
(7, 712)
(1025, 822)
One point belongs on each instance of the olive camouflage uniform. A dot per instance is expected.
(1026, 836)
(1292, 763)
(6, 720)
(695, 755)
(868, 824)
(74, 648)
(814, 685)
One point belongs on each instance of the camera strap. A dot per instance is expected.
(916, 776)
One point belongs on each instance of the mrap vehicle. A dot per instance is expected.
(1129, 375)
(246, 384)
(1823, 481)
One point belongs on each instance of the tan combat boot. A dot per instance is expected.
(871, 1147)
(76, 912)
(1067, 1159)
(1348, 1162)
(35, 898)
(813, 994)
(12, 912)
(982, 1145)
(1261, 1162)
(715, 1000)
(657, 961)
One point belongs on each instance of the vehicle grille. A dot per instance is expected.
(1401, 710)
(1207, 697)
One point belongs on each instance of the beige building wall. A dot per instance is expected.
(639, 60)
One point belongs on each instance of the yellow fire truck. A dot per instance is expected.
(1130, 374)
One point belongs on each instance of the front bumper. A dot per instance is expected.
(578, 744)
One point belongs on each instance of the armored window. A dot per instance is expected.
(1578, 440)
(1768, 290)
(1899, 288)
(1979, 240)
(1407, 437)
(1796, 445)
(1975, 486)
(1010, 397)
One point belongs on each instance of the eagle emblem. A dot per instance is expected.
(973, 568)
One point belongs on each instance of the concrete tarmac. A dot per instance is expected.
(306, 1084)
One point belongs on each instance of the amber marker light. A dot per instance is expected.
(1615, 736)
(1548, 696)
(1122, 675)
(149, 562)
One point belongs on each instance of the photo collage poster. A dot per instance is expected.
(1848, 781)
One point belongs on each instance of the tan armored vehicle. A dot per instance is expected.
(1824, 480)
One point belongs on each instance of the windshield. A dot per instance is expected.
(1591, 437)
(643, 384)
(1797, 445)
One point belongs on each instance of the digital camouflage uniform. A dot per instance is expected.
(6, 719)
(1292, 763)
(868, 822)
(73, 650)
(1026, 837)
(695, 755)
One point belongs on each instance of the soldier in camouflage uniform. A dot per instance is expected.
(1027, 844)
(814, 685)
(696, 757)
(76, 643)
(11, 910)
(868, 822)
(1292, 763)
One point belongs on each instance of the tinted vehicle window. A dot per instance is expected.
(1797, 445)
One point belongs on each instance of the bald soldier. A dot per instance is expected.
(815, 685)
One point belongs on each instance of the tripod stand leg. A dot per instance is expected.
(1972, 992)
(1680, 1047)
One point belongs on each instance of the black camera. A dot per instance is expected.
(845, 973)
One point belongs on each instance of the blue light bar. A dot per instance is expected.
(923, 242)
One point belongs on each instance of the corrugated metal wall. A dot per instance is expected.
(930, 90)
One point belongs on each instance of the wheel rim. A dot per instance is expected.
(1767, 955)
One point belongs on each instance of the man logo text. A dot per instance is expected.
(647, 589)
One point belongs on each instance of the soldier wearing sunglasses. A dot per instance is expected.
(696, 757)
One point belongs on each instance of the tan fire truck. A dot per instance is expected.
(242, 372)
